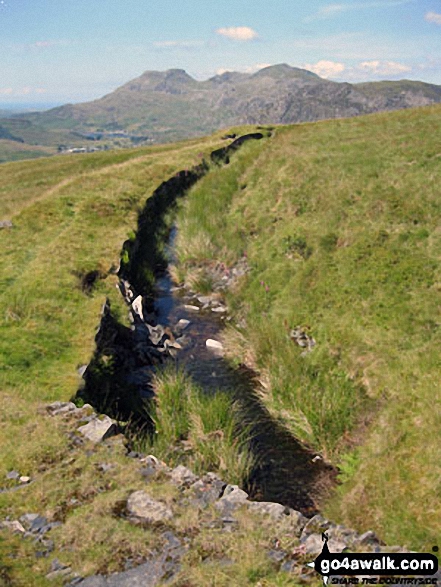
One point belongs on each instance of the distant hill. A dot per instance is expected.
(166, 106)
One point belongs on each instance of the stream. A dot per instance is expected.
(286, 471)
(119, 377)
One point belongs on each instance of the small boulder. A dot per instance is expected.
(182, 324)
(13, 475)
(369, 538)
(234, 493)
(182, 476)
(57, 408)
(6, 224)
(314, 545)
(191, 308)
(137, 308)
(232, 498)
(274, 510)
(144, 509)
(99, 429)
(13, 526)
(214, 345)
(208, 489)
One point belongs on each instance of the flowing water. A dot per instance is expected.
(287, 471)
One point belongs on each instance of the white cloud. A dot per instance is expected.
(239, 33)
(6, 91)
(433, 17)
(383, 67)
(326, 68)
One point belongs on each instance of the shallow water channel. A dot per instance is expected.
(286, 472)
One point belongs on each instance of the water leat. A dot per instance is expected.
(119, 376)
(286, 471)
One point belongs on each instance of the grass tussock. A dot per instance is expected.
(199, 430)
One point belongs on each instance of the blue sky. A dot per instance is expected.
(76, 50)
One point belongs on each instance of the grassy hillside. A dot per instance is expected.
(70, 215)
(339, 221)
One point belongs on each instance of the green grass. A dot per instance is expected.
(71, 215)
(339, 221)
(340, 224)
(199, 430)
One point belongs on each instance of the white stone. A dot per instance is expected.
(182, 324)
(214, 344)
(191, 308)
(24, 479)
(137, 307)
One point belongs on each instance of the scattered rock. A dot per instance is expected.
(219, 309)
(369, 538)
(37, 524)
(182, 476)
(313, 545)
(99, 429)
(182, 324)
(6, 224)
(58, 570)
(156, 333)
(275, 510)
(13, 475)
(183, 341)
(147, 510)
(277, 556)
(300, 336)
(214, 345)
(316, 525)
(57, 408)
(13, 526)
(148, 574)
(231, 499)
(137, 308)
(234, 493)
(208, 489)
(105, 467)
(24, 479)
(204, 299)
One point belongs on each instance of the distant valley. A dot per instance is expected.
(160, 107)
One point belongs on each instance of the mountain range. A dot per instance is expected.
(166, 106)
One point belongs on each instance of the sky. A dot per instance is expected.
(58, 51)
